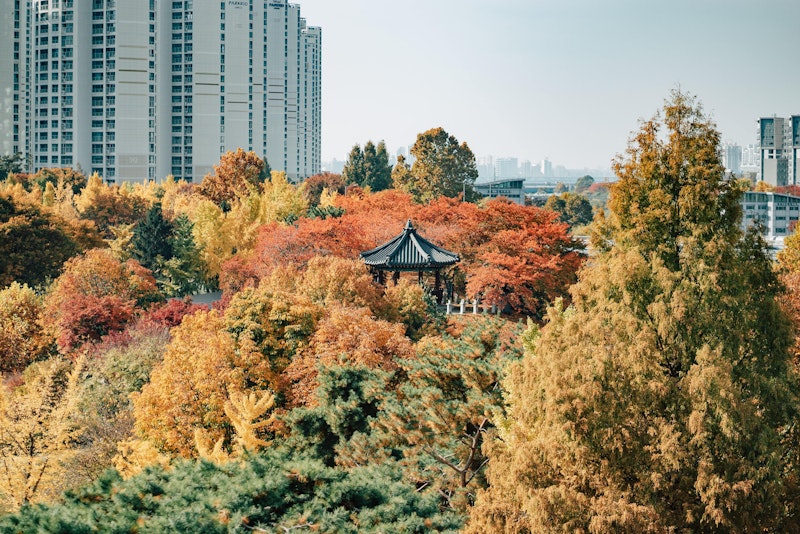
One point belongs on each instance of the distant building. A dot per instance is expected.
(506, 168)
(778, 213)
(511, 189)
(732, 157)
(750, 158)
(137, 90)
(778, 143)
(485, 168)
(546, 167)
(526, 169)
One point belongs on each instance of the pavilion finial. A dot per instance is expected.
(409, 226)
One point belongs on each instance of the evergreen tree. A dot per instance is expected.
(152, 239)
(353, 172)
(369, 167)
(442, 167)
(663, 400)
(381, 171)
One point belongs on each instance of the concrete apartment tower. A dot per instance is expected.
(778, 144)
(139, 90)
(14, 65)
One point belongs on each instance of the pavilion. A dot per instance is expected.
(410, 252)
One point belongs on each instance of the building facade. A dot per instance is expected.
(778, 144)
(510, 189)
(777, 213)
(140, 90)
(14, 66)
(506, 168)
(732, 157)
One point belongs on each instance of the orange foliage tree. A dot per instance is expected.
(346, 336)
(520, 257)
(514, 256)
(95, 295)
(188, 389)
(237, 173)
(109, 206)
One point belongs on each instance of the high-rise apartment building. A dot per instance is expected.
(506, 167)
(732, 157)
(140, 90)
(778, 144)
(14, 65)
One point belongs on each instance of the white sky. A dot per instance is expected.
(562, 79)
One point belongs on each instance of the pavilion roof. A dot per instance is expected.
(409, 252)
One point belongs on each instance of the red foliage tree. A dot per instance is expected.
(789, 190)
(511, 255)
(314, 185)
(172, 312)
(95, 295)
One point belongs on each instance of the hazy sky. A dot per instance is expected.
(562, 79)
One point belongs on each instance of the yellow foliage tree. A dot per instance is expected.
(213, 236)
(22, 338)
(133, 455)
(188, 389)
(38, 432)
(246, 411)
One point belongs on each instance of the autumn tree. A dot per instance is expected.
(315, 185)
(583, 183)
(33, 244)
(38, 431)
(189, 388)
(763, 187)
(573, 209)
(96, 295)
(273, 325)
(519, 258)
(109, 206)
(346, 336)
(442, 167)
(663, 399)
(212, 356)
(60, 177)
(236, 174)
(22, 339)
(116, 368)
(789, 255)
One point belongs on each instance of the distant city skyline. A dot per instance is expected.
(495, 167)
(566, 80)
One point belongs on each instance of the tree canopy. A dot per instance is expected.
(663, 398)
(369, 167)
(442, 167)
(236, 174)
